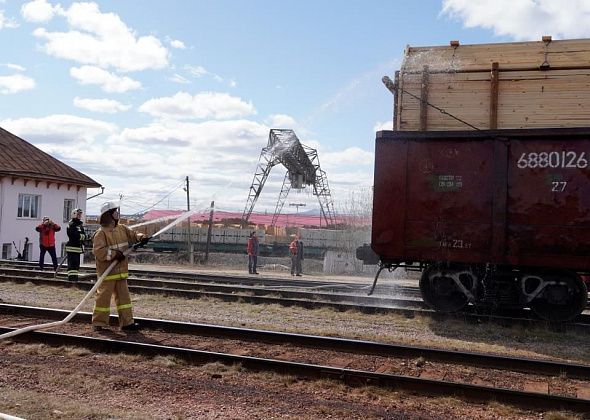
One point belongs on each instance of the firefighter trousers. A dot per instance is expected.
(73, 266)
(102, 306)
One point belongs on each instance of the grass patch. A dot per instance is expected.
(37, 405)
(217, 368)
(168, 362)
(503, 410)
(561, 415)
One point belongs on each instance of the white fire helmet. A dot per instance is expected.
(76, 212)
(109, 205)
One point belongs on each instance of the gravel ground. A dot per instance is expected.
(387, 328)
(83, 385)
(417, 367)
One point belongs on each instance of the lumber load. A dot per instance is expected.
(493, 86)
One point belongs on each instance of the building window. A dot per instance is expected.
(6, 251)
(28, 206)
(68, 207)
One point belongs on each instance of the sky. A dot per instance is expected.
(139, 94)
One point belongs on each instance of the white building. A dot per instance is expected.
(34, 184)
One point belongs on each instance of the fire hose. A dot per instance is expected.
(128, 251)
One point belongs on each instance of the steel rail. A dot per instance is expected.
(233, 279)
(349, 376)
(407, 308)
(194, 289)
(219, 281)
(526, 365)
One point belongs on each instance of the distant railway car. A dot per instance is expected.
(496, 217)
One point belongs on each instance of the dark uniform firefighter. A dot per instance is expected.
(109, 243)
(74, 246)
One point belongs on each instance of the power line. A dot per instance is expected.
(159, 201)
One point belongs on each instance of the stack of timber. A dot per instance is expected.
(493, 86)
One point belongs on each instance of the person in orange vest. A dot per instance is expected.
(296, 251)
(47, 231)
(252, 250)
(109, 243)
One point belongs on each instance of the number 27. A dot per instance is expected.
(558, 186)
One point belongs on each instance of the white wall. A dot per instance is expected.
(16, 229)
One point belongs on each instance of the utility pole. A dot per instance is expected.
(209, 231)
(297, 205)
(189, 244)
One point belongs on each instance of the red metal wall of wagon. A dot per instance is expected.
(518, 197)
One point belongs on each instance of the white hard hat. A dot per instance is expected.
(75, 212)
(109, 205)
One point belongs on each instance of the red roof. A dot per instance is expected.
(21, 159)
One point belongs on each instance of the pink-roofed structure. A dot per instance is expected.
(284, 220)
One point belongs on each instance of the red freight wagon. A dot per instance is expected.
(497, 217)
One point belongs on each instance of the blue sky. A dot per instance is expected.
(139, 94)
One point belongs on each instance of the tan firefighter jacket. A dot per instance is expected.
(106, 241)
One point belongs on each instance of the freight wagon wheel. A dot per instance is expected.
(441, 292)
(563, 298)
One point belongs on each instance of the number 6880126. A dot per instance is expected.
(562, 159)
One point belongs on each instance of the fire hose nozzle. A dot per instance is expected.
(143, 242)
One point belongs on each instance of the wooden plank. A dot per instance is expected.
(424, 100)
(395, 102)
(553, 98)
(509, 55)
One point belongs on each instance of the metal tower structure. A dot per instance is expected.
(303, 169)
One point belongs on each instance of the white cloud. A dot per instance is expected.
(524, 19)
(228, 137)
(5, 22)
(175, 43)
(203, 105)
(58, 128)
(380, 126)
(109, 82)
(177, 78)
(281, 121)
(196, 71)
(15, 83)
(159, 155)
(14, 66)
(104, 40)
(108, 106)
(39, 11)
(200, 71)
(176, 149)
(350, 156)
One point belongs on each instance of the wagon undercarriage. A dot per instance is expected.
(554, 295)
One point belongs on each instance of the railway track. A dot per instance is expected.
(308, 294)
(331, 286)
(351, 361)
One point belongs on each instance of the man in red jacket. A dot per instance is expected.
(47, 231)
(252, 250)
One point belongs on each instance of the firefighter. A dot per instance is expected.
(110, 242)
(74, 248)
